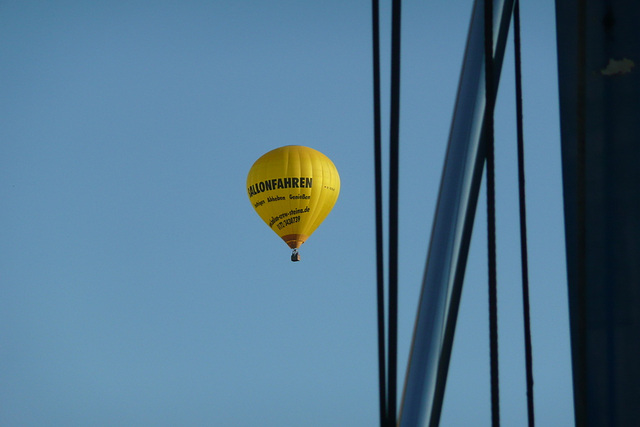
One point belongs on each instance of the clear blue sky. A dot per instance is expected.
(137, 284)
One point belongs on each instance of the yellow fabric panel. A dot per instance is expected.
(293, 189)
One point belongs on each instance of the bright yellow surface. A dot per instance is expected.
(293, 189)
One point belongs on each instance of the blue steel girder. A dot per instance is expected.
(599, 79)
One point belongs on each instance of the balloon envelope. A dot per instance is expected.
(293, 189)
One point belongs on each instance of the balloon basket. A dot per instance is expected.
(295, 255)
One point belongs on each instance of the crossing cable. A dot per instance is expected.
(523, 216)
(394, 136)
(375, 21)
(491, 216)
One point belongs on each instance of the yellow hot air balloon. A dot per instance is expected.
(293, 189)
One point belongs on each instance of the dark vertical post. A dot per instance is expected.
(599, 81)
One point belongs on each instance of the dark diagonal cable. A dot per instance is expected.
(523, 216)
(491, 214)
(382, 375)
(393, 207)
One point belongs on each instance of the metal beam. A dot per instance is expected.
(599, 78)
(442, 284)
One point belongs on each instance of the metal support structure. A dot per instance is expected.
(453, 223)
(599, 79)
